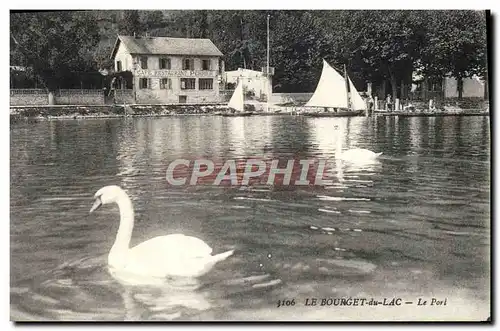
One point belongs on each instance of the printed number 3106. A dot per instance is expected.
(285, 303)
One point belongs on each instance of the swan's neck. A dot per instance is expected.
(124, 234)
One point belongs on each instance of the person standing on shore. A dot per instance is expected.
(432, 107)
(388, 103)
(371, 102)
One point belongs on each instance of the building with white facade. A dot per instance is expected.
(169, 70)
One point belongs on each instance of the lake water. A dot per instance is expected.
(415, 225)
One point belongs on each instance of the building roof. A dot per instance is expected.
(167, 46)
(242, 70)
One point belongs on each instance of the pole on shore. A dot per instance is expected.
(267, 68)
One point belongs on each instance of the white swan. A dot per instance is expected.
(174, 255)
(359, 155)
(355, 155)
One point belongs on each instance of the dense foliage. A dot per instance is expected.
(58, 47)
(376, 46)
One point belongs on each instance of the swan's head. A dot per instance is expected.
(107, 194)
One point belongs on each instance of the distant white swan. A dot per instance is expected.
(174, 255)
(359, 155)
(355, 155)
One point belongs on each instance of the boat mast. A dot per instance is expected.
(347, 87)
(267, 68)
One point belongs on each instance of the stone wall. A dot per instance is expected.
(124, 97)
(79, 97)
(158, 97)
(23, 97)
(26, 97)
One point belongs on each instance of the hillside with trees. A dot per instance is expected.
(62, 48)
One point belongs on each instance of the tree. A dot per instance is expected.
(343, 41)
(55, 45)
(452, 50)
(130, 23)
(228, 34)
(377, 46)
(151, 19)
(102, 54)
(298, 46)
(201, 20)
(386, 44)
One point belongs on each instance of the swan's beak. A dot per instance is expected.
(97, 204)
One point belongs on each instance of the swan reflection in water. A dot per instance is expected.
(86, 289)
(345, 171)
(155, 299)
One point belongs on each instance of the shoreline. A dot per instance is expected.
(66, 112)
(465, 112)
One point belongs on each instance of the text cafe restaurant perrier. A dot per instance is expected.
(170, 70)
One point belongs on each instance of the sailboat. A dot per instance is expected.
(333, 92)
(237, 103)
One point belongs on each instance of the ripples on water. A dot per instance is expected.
(416, 223)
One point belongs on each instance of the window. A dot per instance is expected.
(188, 64)
(144, 83)
(205, 64)
(118, 65)
(182, 98)
(165, 84)
(165, 63)
(188, 83)
(206, 84)
(144, 62)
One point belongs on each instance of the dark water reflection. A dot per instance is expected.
(416, 224)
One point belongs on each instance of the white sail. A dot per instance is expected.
(237, 102)
(357, 102)
(331, 90)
